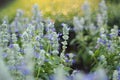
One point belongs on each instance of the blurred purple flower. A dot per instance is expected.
(21, 50)
(49, 36)
(46, 60)
(60, 34)
(73, 61)
(67, 55)
(23, 68)
(25, 71)
(37, 55)
(4, 55)
(118, 69)
(51, 77)
(12, 68)
(67, 61)
(89, 77)
(41, 47)
(11, 46)
(118, 32)
(102, 41)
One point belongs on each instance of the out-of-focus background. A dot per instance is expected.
(60, 10)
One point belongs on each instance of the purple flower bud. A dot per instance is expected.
(16, 30)
(51, 77)
(73, 61)
(69, 78)
(37, 55)
(22, 51)
(23, 69)
(67, 55)
(67, 61)
(12, 67)
(4, 55)
(25, 72)
(41, 47)
(11, 46)
(60, 34)
(89, 77)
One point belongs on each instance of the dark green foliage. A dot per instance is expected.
(114, 14)
(113, 1)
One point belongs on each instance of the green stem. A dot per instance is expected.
(38, 73)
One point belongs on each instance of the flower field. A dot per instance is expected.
(32, 47)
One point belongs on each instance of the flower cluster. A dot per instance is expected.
(30, 47)
(96, 39)
(78, 75)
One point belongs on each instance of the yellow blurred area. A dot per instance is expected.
(49, 7)
(58, 6)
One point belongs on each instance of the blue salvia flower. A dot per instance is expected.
(17, 24)
(4, 55)
(55, 44)
(118, 70)
(115, 75)
(5, 20)
(19, 13)
(4, 73)
(78, 24)
(114, 32)
(37, 16)
(28, 50)
(103, 11)
(65, 31)
(86, 10)
(14, 38)
(37, 55)
(22, 67)
(87, 14)
(4, 35)
(89, 77)
(65, 37)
